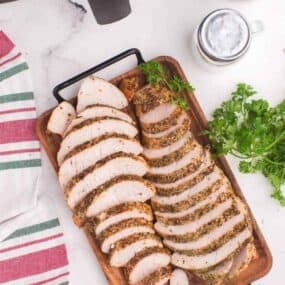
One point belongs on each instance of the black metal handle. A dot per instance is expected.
(96, 68)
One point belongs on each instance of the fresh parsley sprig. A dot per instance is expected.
(156, 74)
(254, 132)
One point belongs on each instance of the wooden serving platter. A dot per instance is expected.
(256, 269)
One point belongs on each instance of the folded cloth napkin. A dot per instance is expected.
(32, 249)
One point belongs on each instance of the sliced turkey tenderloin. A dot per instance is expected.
(179, 277)
(95, 90)
(159, 277)
(92, 129)
(122, 212)
(206, 261)
(104, 170)
(125, 249)
(61, 117)
(145, 263)
(121, 230)
(95, 111)
(119, 190)
(89, 153)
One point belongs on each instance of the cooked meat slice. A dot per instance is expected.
(145, 263)
(119, 190)
(192, 226)
(198, 212)
(210, 199)
(87, 154)
(104, 170)
(218, 187)
(179, 168)
(206, 261)
(173, 156)
(154, 153)
(169, 138)
(179, 277)
(217, 275)
(168, 189)
(206, 182)
(130, 86)
(121, 230)
(125, 249)
(242, 259)
(195, 153)
(149, 97)
(95, 111)
(61, 118)
(167, 116)
(158, 277)
(95, 90)
(208, 238)
(122, 212)
(167, 131)
(92, 129)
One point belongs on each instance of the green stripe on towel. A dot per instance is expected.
(20, 164)
(16, 97)
(13, 70)
(33, 229)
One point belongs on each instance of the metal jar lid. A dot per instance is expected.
(223, 36)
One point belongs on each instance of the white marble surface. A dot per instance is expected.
(59, 40)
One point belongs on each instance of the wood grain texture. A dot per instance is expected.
(256, 269)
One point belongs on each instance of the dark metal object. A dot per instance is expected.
(109, 11)
(80, 76)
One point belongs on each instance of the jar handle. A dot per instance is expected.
(256, 26)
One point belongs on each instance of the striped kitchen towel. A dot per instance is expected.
(32, 249)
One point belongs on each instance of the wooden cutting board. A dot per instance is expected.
(256, 269)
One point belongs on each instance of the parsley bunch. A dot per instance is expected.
(254, 132)
(156, 74)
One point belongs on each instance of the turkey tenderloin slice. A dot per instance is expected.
(158, 277)
(125, 249)
(242, 259)
(145, 263)
(173, 156)
(121, 230)
(119, 190)
(154, 153)
(89, 153)
(122, 212)
(169, 138)
(168, 131)
(61, 117)
(192, 226)
(180, 214)
(217, 275)
(207, 181)
(92, 129)
(164, 124)
(207, 261)
(190, 179)
(179, 277)
(95, 90)
(95, 111)
(104, 170)
(196, 153)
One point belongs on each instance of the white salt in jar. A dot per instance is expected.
(224, 36)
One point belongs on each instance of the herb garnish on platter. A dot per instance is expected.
(254, 132)
(156, 74)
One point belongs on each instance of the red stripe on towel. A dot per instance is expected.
(5, 44)
(18, 131)
(10, 59)
(30, 243)
(18, 110)
(33, 263)
(19, 151)
(51, 279)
